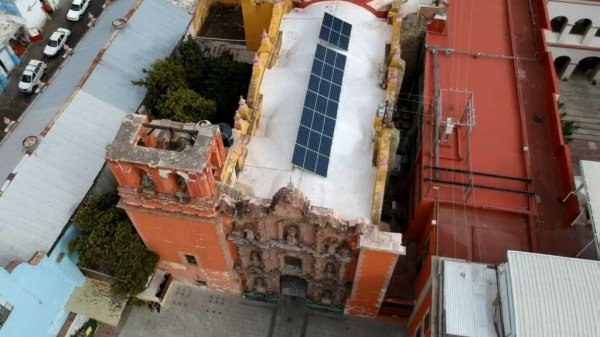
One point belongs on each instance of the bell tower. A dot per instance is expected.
(167, 174)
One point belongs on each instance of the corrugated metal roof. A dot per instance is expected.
(555, 296)
(45, 106)
(51, 183)
(95, 300)
(590, 171)
(469, 292)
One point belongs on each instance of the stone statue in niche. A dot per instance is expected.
(259, 284)
(331, 245)
(318, 267)
(330, 271)
(291, 235)
(345, 251)
(342, 271)
(147, 183)
(255, 259)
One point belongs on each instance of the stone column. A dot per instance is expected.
(564, 33)
(587, 38)
(568, 71)
(379, 253)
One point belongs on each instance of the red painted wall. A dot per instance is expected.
(171, 237)
(370, 283)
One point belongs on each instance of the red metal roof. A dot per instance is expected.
(493, 50)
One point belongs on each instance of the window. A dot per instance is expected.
(597, 32)
(418, 332)
(581, 27)
(426, 323)
(5, 310)
(190, 259)
(558, 24)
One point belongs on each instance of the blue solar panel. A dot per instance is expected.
(335, 32)
(317, 123)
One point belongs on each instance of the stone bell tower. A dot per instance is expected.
(167, 174)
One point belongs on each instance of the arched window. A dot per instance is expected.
(560, 64)
(558, 24)
(587, 67)
(581, 27)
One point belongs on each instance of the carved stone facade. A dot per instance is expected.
(286, 237)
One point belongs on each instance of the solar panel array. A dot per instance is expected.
(335, 32)
(317, 124)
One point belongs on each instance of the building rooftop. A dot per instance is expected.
(182, 146)
(590, 171)
(532, 295)
(348, 188)
(469, 290)
(499, 183)
(48, 185)
(554, 296)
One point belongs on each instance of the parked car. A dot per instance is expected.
(77, 9)
(57, 41)
(31, 76)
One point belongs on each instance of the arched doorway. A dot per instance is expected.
(560, 65)
(558, 24)
(587, 68)
(293, 286)
(581, 27)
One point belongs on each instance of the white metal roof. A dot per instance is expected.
(469, 292)
(348, 188)
(555, 296)
(50, 184)
(590, 171)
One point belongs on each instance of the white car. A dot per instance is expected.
(77, 9)
(57, 41)
(32, 74)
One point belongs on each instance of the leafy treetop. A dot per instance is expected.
(112, 246)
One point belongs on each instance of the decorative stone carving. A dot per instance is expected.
(291, 235)
(330, 271)
(256, 259)
(286, 236)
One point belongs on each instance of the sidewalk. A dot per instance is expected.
(190, 311)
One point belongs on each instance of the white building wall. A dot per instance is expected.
(32, 12)
(574, 46)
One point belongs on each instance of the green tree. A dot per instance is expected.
(111, 245)
(186, 106)
(190, 56)
(225, 81)
(164, 76)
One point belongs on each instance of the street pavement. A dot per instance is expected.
(13, 102)
(192, 311)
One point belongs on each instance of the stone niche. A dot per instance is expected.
(285, 236)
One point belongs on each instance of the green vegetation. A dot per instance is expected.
(111, 245)
(568, 127)
(188, 87)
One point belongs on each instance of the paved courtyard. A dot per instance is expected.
(582, 105)
(191, 311)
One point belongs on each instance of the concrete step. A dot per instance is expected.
(583, 120)
(591, 138)
(587, 132)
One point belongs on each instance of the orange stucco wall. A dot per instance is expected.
(419, 315)
(370, 283)
(172, 237)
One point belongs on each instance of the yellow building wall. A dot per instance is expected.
(257, 18)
